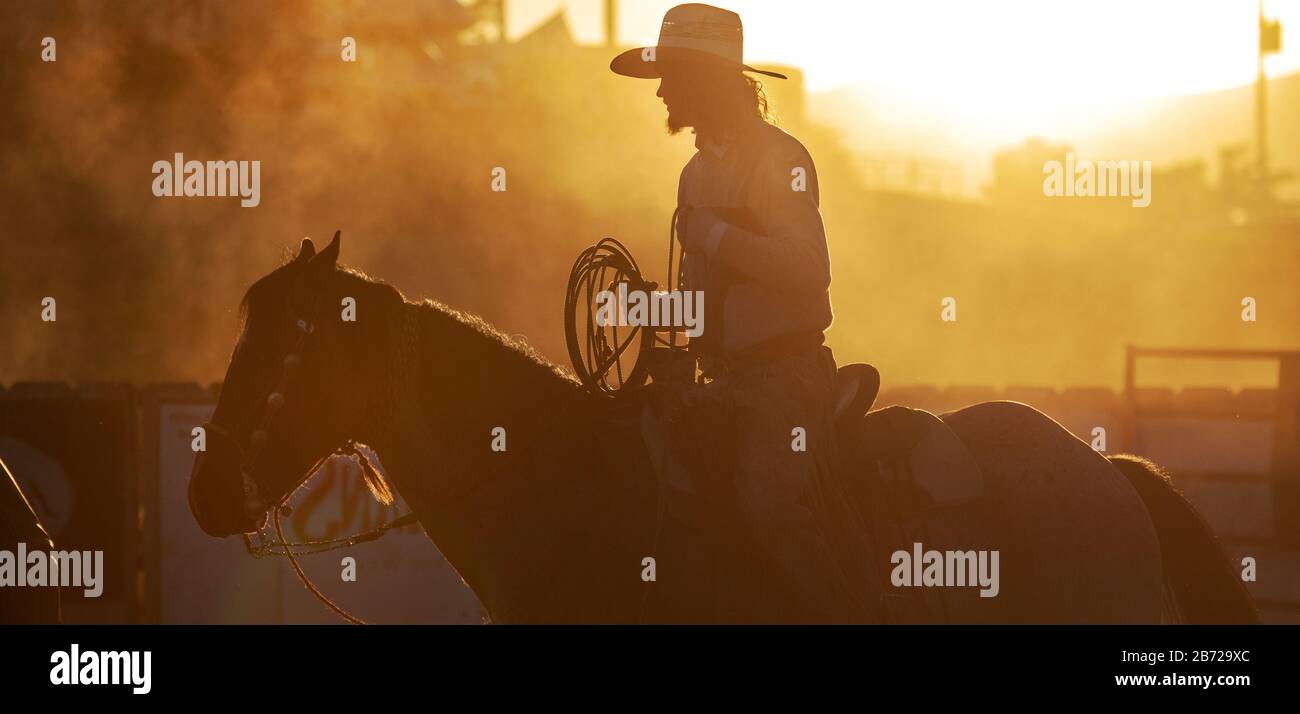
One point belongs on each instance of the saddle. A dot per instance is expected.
(909, 476)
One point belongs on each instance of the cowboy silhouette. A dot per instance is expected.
(753, 242)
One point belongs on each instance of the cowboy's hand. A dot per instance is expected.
(699, 230)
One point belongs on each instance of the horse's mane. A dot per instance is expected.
(480, 329)
(481, 332)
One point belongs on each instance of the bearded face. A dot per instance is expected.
(708, 98)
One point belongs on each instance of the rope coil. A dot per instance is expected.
(598, 352)
(598, 355)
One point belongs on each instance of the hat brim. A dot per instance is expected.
(633, 63)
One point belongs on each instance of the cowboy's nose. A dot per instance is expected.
(660, 91)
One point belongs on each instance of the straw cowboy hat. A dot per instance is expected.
(691, 34)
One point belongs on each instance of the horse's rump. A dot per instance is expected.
(1079, 545)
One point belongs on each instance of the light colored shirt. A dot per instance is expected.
(774, 273)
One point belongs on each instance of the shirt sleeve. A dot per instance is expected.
(792, 255)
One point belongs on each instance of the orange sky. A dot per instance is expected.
(1084, 53)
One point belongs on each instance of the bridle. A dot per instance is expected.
(255, 506)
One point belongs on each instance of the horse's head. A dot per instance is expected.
(294, 392)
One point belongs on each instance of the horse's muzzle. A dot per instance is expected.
(216, 498)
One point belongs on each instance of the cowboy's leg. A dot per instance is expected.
(774, 479)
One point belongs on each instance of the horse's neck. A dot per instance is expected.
(460, 407)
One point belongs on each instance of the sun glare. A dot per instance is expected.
(998, 70)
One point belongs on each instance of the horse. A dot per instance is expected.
(550, 513)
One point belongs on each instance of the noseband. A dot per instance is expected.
(255, 506)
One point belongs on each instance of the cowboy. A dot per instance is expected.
(753, 242)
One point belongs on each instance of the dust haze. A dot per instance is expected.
(397, 151)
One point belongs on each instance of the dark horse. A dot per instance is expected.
(554, 528)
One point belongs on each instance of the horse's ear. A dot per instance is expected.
(324, 261)
(307, 250)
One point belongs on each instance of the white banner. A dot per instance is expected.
(399, 578)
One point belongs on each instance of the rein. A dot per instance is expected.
(281, 546)
(255, 506)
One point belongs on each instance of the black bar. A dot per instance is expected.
(979, 663)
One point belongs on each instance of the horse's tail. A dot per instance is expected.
(1204, 584)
